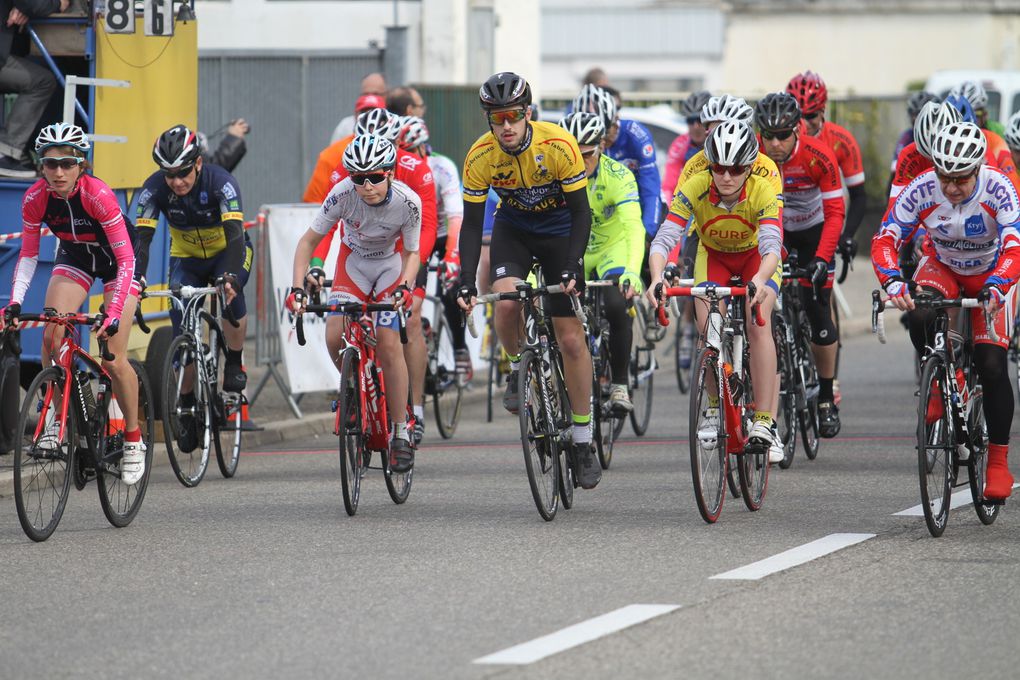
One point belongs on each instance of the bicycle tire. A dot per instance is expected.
(566, 478)
(753, 470)
(683, 375)
(642, 393)
(42, 478)
(349, 431)
(935, 445)
(602, 419)
(493, 364)
(398, 484)
(449, 392)
(225, 406)
(121, 502)
(786, 416)
(807, 411)
(708, 464)
(537, 426)
(977, 466)
(190, 467)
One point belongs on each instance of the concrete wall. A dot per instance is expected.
(874, 53)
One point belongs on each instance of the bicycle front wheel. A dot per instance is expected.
(642, 382)
(603, 421)
(538, 435)
(185, 425)
(787, 406)
(708, 439)
(935, 443)
(977, 466)
(349, 432)
(121, 501)
(448, 390)
(42, 458)
(398, 484)
(807, 406)
(681, 354)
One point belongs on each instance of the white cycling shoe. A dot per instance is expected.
(132, 463)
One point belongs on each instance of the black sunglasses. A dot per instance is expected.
(370, 178)
(62, 162)
(812, 116)
(178, 174)
(781, 135)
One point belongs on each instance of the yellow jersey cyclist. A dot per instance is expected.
(537, 171)
(616, 247)
(202, 206)
(738, 223)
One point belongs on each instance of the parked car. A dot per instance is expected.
(1003, 88)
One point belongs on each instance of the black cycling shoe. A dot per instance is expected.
(418, 431)
(828, 420)
(234, 378)
(589, 471)
(401, 455)
(511, 400)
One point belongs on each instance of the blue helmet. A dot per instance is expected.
(962, 104)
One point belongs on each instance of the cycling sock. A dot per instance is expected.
(713, 402)
(515, 361)
(419, 411)
(622, 387)
(187, 399)
(400, 432)
(582, 433)
(824, 389)
(134, 435)
(764, 417)
(234, 356)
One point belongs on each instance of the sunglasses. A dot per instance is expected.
(178, 174)
(781, 135)
(944, 180)
(812, 116)
(372, 178)
(731, 170)
(590, 152)
(62, 162)
(501, 117)
(692, 120)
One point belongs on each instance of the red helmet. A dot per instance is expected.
(810, 91)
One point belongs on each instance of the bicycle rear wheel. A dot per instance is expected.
(181, 360)
(683, 375)
(935, 444)
(786, 412)
(121, 501)
(753, 467)
(447, 389)
(566, 478)
(807, 406)
(977, 466)
(541, 449)
(349, 432)
(642, 383)
(708, 454)
(42, 464)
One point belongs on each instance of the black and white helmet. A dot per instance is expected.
(932, 118)
(691, 107)
(369, 153)
(974, 92)
(62, 134)
(593, 99)
(726, 107)
(777, 111)
(379, 122)
(1012, 134)
(176, 148)
(918, 100)
(732, 142)
(413, 133)
(504, 90)
(587, 128)
(958, 147)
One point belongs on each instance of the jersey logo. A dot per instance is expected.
(648, 151)
(974, 226)
(503, 179)
(539, 157)
(229, 191)
(409, 162)
(541, 173)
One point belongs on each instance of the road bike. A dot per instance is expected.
(192, 365)
(70, 429)
(606, 425)
(723, 368)
(362, 422)
(951, 429)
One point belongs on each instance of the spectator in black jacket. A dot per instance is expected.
(231, 148)
(33, 83)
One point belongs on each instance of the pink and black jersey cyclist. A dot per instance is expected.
(95, 242)
(971, 215)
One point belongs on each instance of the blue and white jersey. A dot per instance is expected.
(635, 148)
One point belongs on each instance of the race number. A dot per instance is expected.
(120, 16)
(159, 17)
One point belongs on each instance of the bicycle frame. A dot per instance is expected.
(359, 335)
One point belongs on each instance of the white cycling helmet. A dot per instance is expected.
(587, 128)
(62, 134)
(732, 142)
(932, 118)
(378, 122)
(726, 107)
(369, 153)
(1012, 134)
(413, 133)
(974, 92)
(593, 99)
(958, 147)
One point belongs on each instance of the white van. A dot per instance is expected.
(1003, 88)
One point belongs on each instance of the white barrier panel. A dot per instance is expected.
(309, 368)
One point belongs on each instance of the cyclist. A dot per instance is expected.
(413, 171)
(738, 220)
(95, 242)
(812, 220)
(1012, 137)
(319, 183)
(208, 243)
(914, 105)
(538, 173)
(812, 95)
(685, 145)
(998, 152)
(414, 137)
(628, 142)
(378, 210)
(972, 245)
(978, 97)
(616, 247)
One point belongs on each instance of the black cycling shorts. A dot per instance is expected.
(513, 251)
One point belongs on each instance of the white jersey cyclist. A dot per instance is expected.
(448, 192)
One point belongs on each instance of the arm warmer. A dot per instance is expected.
(855, 213)
(471, 240)
(580, 229)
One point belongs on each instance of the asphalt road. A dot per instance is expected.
(266, 576)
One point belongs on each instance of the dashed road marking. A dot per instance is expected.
(793, 557)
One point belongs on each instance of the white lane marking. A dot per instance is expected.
(957, 500)
(794, 557)
(578, 634)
